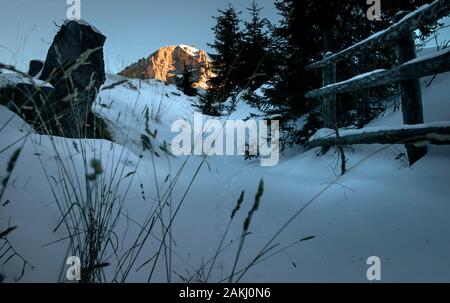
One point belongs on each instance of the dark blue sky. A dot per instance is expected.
(134, 28)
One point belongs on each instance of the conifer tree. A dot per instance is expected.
(187, 82)
(225, 61)
(256, 59)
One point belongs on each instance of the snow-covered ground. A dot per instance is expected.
(380, 207)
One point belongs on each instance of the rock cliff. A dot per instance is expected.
(168, 63)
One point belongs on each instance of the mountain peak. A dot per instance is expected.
(168, 63)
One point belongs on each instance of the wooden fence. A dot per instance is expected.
(408, 73)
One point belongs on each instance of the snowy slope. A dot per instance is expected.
(381, 207)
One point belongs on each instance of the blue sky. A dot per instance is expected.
(134, 28)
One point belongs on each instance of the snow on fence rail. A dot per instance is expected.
(416, 68)
(408, 72)
(418, 135)
(426, 14)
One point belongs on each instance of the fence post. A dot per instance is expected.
(329, 102)
(411, 93)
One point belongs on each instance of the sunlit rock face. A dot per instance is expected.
(168, 63)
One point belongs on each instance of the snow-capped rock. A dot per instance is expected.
(168, 63)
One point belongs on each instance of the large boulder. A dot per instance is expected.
(76, 69)
(35, 102)
(26, 100)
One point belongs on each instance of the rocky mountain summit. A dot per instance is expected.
(168, 63)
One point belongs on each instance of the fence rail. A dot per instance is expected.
(407, 73)
(438, 135)
(417, 68)
(426, 15)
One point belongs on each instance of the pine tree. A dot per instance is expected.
(227, 44)
(187, 82)
(294, 46)
(225, 60)
(255, 68)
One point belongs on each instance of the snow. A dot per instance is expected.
(420, 58)
(326, 132)
(426, 57)
(192, 51)
(189, 49)
(380, 207)
(12, 79)
(417, 11)
(83, 22)
(355, 78)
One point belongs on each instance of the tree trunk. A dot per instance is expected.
(411, 93)
(329, 101)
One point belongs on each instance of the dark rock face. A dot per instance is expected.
(35, 67)
(25, 100)
(75, 67)
(38, 106)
